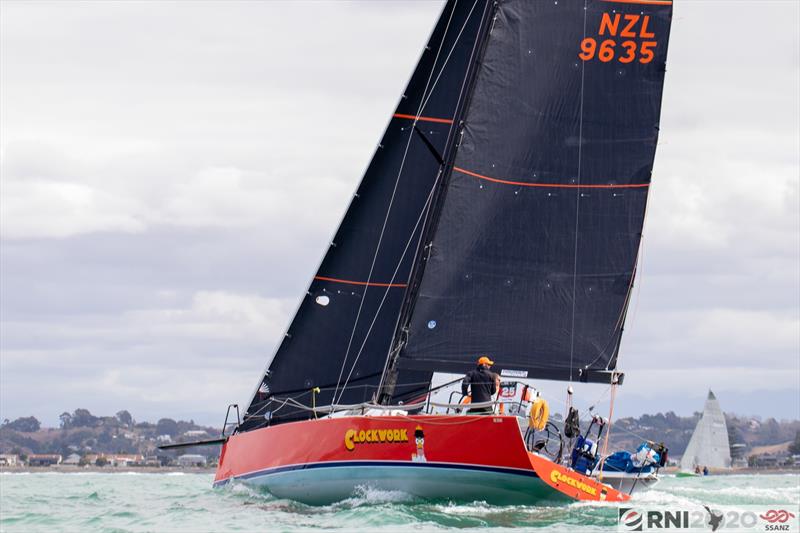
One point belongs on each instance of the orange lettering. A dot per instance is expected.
(606, 52)
(588, 46)
(647, 53)
(632, 20)
(630, 47)
(644, 33)
(605, 22)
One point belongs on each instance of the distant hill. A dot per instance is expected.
(83, 433)
(675, 431)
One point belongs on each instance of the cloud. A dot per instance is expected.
(214, 122)
(212, 348)
(209, 317)
(57, 209)
(170, 174)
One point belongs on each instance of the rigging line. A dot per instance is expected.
(608, 429)
(577, 209)
(637, 435)
(394, 351)
(640, 269)
(580, 404)
(425, 207)
(391, 203)
(618, 323)
(623, 310)
(450, 53)
(638, 265)
(261, 406)
(640, 261)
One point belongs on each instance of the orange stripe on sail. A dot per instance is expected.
(424, 119)
(550, 185)
(645, 2)
(362, 283)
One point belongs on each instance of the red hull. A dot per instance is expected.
(432, 452)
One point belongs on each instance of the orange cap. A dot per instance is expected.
(485, 361)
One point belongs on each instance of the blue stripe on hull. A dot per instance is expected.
(324, 483)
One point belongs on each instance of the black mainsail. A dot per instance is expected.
(501, 213)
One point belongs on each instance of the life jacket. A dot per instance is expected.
(572, 424)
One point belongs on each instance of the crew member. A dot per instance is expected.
(482, 384)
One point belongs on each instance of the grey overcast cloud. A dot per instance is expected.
(172, 171)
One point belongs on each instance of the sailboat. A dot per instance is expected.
(500, 215)
(709, 446)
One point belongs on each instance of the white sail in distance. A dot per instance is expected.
(709, 445)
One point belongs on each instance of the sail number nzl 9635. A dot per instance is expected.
(624, 38)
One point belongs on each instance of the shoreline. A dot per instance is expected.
(69, 469)
(672, 470)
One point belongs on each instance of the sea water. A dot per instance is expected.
(134, 502)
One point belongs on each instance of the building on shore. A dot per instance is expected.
(739, 455)
(72, 460)
(124, 459)
(114, 459)
(151, 460)
(9, 459)
(191, 459)
(44, 459)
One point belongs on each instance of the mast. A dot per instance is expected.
(388, 381)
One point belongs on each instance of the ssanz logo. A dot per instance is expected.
(372, 436)
(781, 516)
(559, 477)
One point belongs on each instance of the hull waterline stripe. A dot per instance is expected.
(423, 119)
(399, 464)
(645, 2)
(551, 185)
(362, 283)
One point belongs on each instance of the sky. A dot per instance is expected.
(170, 173)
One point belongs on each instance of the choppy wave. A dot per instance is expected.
(168, 502)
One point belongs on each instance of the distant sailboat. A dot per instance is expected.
(709, 445)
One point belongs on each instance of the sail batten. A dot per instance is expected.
(361, 283)
(552, 185)
(424, 119)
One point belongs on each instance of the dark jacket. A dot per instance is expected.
(482, 383)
